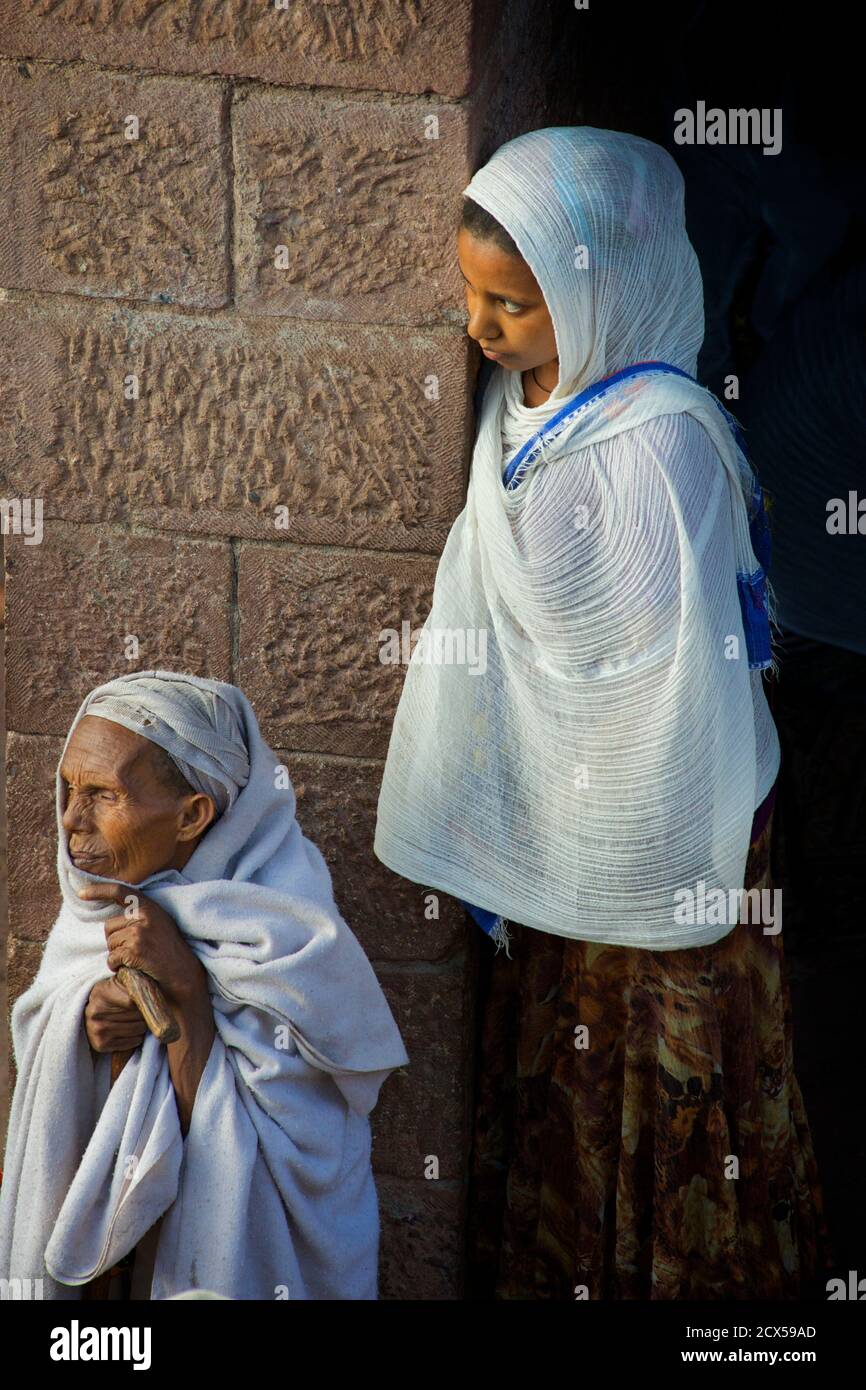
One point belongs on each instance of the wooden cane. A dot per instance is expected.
(149, 999)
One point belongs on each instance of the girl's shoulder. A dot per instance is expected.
(676, 444)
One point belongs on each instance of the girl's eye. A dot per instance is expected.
(514, 309)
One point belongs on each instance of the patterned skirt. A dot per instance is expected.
(671, 1157)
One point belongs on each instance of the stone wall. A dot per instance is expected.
(249, 458)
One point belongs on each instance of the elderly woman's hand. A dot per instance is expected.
(145, 937)
(111, 1020)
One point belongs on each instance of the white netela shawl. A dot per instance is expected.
(271, 1193)
(614, 747)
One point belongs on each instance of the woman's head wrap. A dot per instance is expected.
(195, 725)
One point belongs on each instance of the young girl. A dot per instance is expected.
(605, 781)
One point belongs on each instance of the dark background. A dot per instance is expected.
(782, 245)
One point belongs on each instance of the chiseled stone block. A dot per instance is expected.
(260, 429)
(389, 45)
(348, 207)
(309, 643)
(34, 894)
(92, 212)
(336, 808)
(421, 1252)
(22, 963)
(90, 603)
(422, 1111)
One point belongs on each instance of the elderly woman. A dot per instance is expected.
(237, 1158)
(607, 783)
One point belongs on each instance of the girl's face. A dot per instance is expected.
(507, 312)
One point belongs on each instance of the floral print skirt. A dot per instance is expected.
(671, 1157)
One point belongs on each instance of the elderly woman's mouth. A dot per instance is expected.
(84, 861)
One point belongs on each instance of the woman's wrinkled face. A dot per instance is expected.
(121, 821)
(507, 311)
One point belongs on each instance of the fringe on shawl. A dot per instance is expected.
(500, 934)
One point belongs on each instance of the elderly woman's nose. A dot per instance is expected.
(73, 817)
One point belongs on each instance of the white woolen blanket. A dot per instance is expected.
(271, 1193)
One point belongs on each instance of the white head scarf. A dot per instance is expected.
(610, 755)
(194, 722)
(627, 185)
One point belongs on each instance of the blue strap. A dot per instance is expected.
(533, 446)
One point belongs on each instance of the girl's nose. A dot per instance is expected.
(481, 327)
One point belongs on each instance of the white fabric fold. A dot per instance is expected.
(271, 1192)
(611, 753)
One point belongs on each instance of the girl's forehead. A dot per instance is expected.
(477, 256)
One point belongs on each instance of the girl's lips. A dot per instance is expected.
(495, 355)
